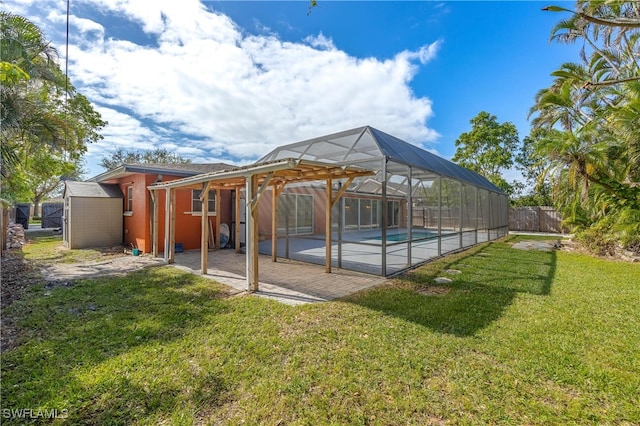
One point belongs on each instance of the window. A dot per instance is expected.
(129, 206)
(295, 214)
(362, 213)
(393, 214)
(196, 204)
(351, 219)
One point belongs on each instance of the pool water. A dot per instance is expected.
(403, 236)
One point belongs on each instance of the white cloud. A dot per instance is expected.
(320, 41)
(424, 54)
(237, 95)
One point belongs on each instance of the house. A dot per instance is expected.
(359, 199)
(129, 184)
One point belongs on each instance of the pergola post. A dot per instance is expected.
(217, 234)
(172, 226)
(204, 235)
(254, 235)
(167, 221)
(274, 223)
(249, 248)
(155, 223)
(237, 219)
(327, 227)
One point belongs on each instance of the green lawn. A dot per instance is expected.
(518, 337)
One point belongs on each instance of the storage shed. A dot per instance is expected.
(92, 215)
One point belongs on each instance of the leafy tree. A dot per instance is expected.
(38, 177)
(43, 120)
(533, 165)
(592, 114)
(122, 156)
(488, 148)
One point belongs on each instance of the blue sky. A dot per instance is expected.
(229, 81)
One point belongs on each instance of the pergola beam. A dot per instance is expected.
(341, 191)
(265, 183)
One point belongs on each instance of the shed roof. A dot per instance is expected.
(91, 190)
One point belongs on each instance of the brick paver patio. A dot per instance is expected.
(288, 281)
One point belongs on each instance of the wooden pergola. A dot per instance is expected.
(255, 179)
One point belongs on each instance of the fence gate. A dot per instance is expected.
(535, 219)
(22, 214)
(52, 215)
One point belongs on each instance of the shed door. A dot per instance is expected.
(65, 222)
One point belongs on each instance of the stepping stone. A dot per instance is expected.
(452, 271)
(434, 291)
(443, 280)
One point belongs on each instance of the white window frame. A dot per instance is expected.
(128, 211)
(295, 229)
(196, 204)
(393, 221)
(359, 204)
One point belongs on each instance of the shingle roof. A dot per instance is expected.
(91, 190)
(181, 170)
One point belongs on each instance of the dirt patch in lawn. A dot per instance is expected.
(433, 290)
(18, 275)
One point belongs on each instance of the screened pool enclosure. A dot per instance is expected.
(415, 207)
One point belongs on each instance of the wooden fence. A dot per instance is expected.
(535, 219)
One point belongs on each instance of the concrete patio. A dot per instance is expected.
(287, 281)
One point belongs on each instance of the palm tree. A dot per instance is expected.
(594, 106)
(41, 115)
(27, 63)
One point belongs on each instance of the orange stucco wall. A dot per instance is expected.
(137, 225)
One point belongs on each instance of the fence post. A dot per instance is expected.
(4, 225)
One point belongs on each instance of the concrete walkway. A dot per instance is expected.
(287, 281)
